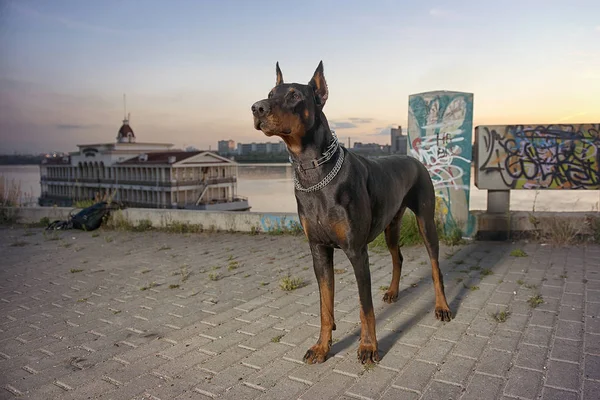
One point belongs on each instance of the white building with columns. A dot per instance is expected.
(149, 175)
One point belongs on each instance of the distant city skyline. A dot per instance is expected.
(192, 69)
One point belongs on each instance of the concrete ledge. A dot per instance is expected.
(497, 226)
(490, 226)
(209, 220)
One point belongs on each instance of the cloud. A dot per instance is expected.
(349, 123)
(383, 131)
(342, 125)
(597, 28)
(69, 23)
(361, 120)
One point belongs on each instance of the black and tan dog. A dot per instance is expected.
(345, 201)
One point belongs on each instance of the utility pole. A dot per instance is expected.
(348, 141)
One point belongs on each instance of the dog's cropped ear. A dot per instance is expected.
(319, 85)
(279, 74)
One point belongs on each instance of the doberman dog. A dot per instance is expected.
(345, 201)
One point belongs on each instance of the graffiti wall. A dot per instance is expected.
(538, 157)
(440, 126)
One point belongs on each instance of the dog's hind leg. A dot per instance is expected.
(425, 213)
(392, 237)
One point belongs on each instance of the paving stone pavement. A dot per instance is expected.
(125, 315)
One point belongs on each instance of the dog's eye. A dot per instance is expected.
(295, 95)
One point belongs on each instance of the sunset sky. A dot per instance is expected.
(192, 69)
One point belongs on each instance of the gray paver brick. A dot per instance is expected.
(550, 393)
(399, 394)
(530, 356)
(284, 389)
(590, 389)
(505, 340)
(537, 335)
(570, 313)
(456, 370)
(591, 343)
(441, 390)
(568, 350)
(483, 387)
(592, 367)
(542, 318)
(470, 346)
(371, 384)
(435, 351)
(569, 330)
(523, 383)
(415, 376)
(494, 362)
(563, 375)
(330, 387)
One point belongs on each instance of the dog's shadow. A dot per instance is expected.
(393, 334)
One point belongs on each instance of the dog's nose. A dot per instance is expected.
(260, 108)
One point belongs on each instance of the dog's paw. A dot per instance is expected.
(443, 314)
(316, 354)
(368, 353)
(390, 296)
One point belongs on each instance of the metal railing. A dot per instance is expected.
(144, 182)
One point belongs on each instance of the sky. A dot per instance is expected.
(192, 69)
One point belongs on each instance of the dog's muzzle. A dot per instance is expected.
(261, 109)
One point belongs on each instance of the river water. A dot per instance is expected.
(269, 188)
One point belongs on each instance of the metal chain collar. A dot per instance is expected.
(332, 174)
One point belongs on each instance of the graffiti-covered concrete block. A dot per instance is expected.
(440, 131)
(538, 156)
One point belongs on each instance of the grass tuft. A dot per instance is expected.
(518, 253)
(535, 301)
(290, 283)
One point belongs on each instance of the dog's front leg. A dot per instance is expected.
(323, 265)
(367, 350)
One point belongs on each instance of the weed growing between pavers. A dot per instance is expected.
(232, 265)
(535, 301)
(530, 286)
(518, 253)
(290, 283)
(173, 286)
(164, 247)
(276, 339)
(214, 276)
(501, 316)
(150, 286)
(520, 282)
(19, 244)
(337, 271)
(383, 288)
(486, 272)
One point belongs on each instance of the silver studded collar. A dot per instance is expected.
(331, 150)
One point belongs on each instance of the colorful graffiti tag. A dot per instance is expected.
(538, 157)
(440, 126)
